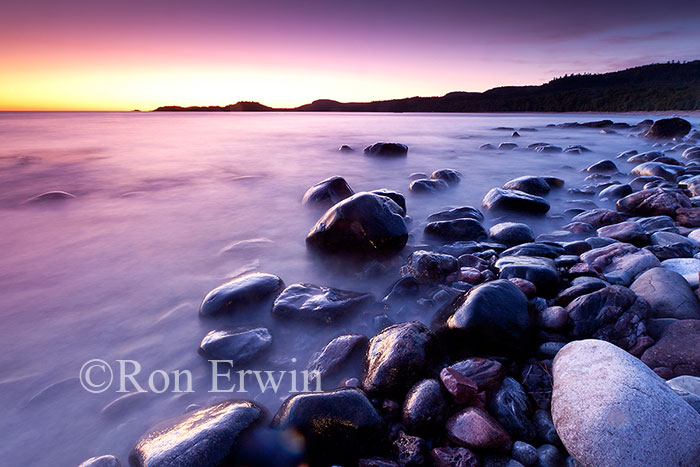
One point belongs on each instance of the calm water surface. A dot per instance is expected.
(119, 272)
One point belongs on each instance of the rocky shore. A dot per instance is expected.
(576, 347)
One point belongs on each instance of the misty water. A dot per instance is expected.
(163, 202)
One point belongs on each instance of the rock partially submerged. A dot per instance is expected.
(328, 192)
(667, 128)
(499, 199)
(236, 346)
(309, 302)
(386, 149)
(240, 293)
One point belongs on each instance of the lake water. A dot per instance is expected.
(120, 271)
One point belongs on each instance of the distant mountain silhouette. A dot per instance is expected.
(240, 106)
(664, 86)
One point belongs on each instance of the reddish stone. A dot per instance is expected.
(470, 275)
(461, 388)
(473, 427)
(583, 269)
(527, 287)
(688, 217)
(486, 373)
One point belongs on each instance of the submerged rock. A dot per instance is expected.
(610, 409)
(51, 196)
(237, 346)
(457, 229)
(240, 293)
(449, 176)
(318, 303)
(329, 191)
(427, 185)
(463, 212)
(387, 149)
(529, 184)
(513, 200)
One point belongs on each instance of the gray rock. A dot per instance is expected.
(449, 176)
(620, 263)
(688, 387)
(686, 267)
(427, 267)
(668, 294)
(511, 233)
(328, 192)
(237, 346)
(427, 185)
(317, 303)
(241, 293)
(610, 409)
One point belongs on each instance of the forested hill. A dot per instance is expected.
(668, 86)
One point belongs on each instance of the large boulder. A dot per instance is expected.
(396, 358)
(677, 352)
(241, 293)
(338, 427)
(386, 149)
(614, 314)
(667, 128)
(328, 192)
(610, 409)
(363, 223)
(668, 294)
(499, 199)
(620, 263)
(205, 437)
(317, 303)
(457, 229)
(653, 202)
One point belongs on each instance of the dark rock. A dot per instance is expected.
(51, 196)
(554, 182)
(628, 232)
(487, 374)
(658, 169)
(599, 217)
(425, 408)
(537, 382)
(463, 212)
(525, 286)
(203, 438)
(387, 149)
(461, 388)
(453, 457)
(620, 263)
(568, 295)
(457, 229)
(409, 450)
(614, 314)
(396, 358)
(330, 191)
(376, 462)
(473, 427)
(548, 149)
(524, 453)
(544, 250)
(677, 352)
(237, 346)
(546, 432)
(654, 224)
(449, 176)
(507, 146)
(511, 233)
(615, 192)
(511, 408)
(395, 196)
(427, 185)
(101, 461)
(427, 267)
(241, 293)
(365, 223)
(336, 353)
(667, 128)
(529, 184)
(647, 156)
(540, 271)
(317, 303)
(345, 148)
(338, 426)
(513, 200)
(653, 202)
(549, 456)
(604, 166)
(553, 318)
(688, 217)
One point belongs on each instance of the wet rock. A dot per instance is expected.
(688, 217)
(463, 212)
(627, 232)
(525, 286)
(203, 438)
(427, 185)
(486, 373)
(396, 357)
(544, 425)
(540, 271)
(461, 388)
(654, 224)
(615, 192)
(568, 295)
(599, 217)
(387, 149)
(336, 353)
(620, 263)
(667, 293)
(614, 314)
(688, 387)
(507, 146)
(237, 346)
(425, 408)
(667, 128)
(395, 196)
(544, 250)
(376, 462)
(537, 382)
(647, 156)
(658, 169)
(554, 318)
(241, 293)
(677, 352)
(513, 200)
(548, 149)
(604, 166)
(529, 184)
(473, 427)
(610, 409)
(492, 313)
(524, 453)
(409, 450)
(449, 176)
(317, 303)
(338, 426)
(549, 456)
(427, 267)
(686, 267)
(511, 408)
(653, 202)
(345, 148)
(457, 229)
(329, 192)
(511, 233)
(454, 457)
(101, 461)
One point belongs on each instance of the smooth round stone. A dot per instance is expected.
(615, 192)
(513, 200)
(524, 453)
(604, 166)
(667, 128)
(688, 387)
(507, 146)
(395, 196)
(427, 185)
(511, 233)
(540, 271)
(511, 407)
(427, 267)
(425, 408)
(473, 427)
(241, 293)
(456, 230)
(238, 347)
(686, 267)
(529, 184)
(462, 212)
(329, 191)
(336, 353)
(628, 232)
(386, 149)
(449, 176)
(677, 352)
(669, 238)
(668, 294)
(657, 169)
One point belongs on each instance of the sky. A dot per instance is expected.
(129, 54)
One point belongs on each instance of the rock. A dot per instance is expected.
(329, 191)
(668, 294)
(473, 427)
(345, 148)
(548, 149)
(512, 409)
(627, 232)
(545, 250)
(376, 462)
(487, 374)
(395, 196)
(647, 156)
(409, 450)
(544, 425)
(450, 176)
(529, 184)
(654, 224)
(604, 166)
(101, 461)
(667, 128)
(524, 453)
(427, 267)
(511, 233)
(566, 296)
(237, 346)
(653, 202)
(549, 456)
(241, 293)
(614, 314)
(677, 352)
(387, 149)
(318, 303)
(688, 217)
(425, 408)
(610, 409)
(51, 196)
(461, 388)
(463, 212)
(658, 169)
(554, 182)
(540, 271)
(336, 353)
(487, 146)
(686, 267)
(453, 457)
(615, 192)
(499, 199)
(426, 185)
(205, 437)
(599, 217)
(525, 286)
(457, 229)
(338, 426)
(555, 318)
(507, 146)
(492, 313)
(620, 263)
(396, 358)
(365, 223)
(688, 387)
